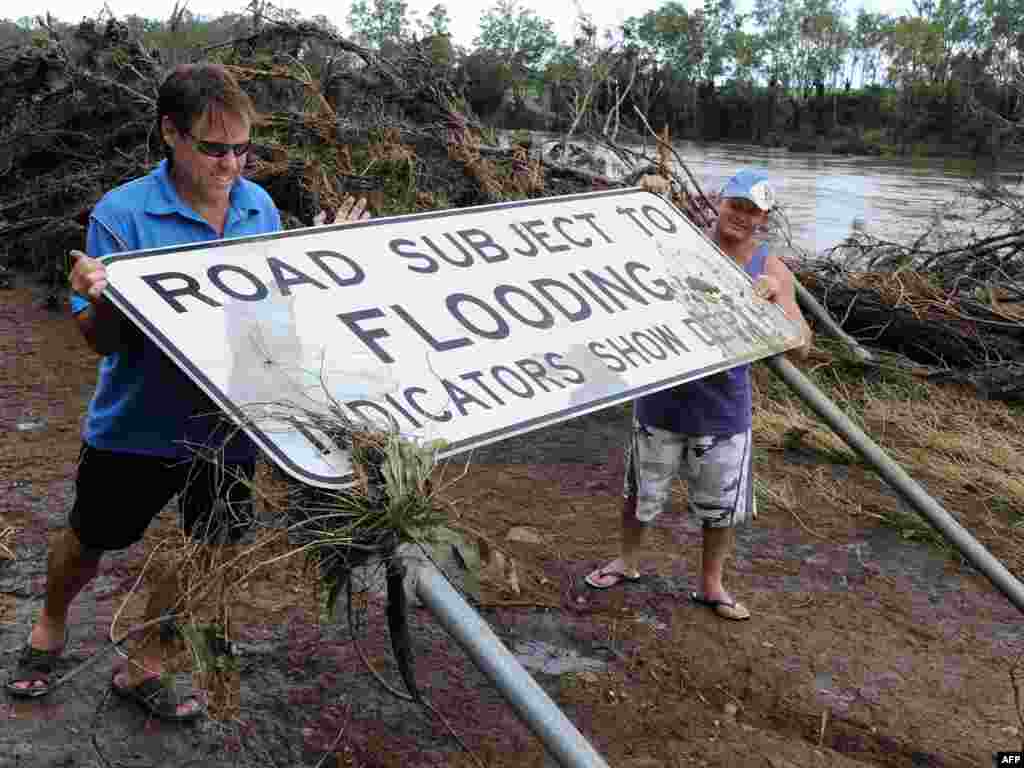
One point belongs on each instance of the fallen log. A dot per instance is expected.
(906, 314)
(999, 381)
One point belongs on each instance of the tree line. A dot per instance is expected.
(805, 73)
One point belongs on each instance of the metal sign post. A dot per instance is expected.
(897, 477)
(565, 743)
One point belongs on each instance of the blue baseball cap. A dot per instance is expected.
(752, 185)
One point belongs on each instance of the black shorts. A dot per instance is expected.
(117, 495)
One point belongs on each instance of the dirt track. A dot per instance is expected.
(905, 653)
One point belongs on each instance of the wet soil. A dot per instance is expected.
(863, 649)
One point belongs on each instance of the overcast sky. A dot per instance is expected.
(465, 14)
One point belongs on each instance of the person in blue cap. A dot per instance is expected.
(704, 427)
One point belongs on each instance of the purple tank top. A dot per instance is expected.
(719, 404)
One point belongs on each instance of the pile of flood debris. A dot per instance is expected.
(77, 118)
(953, 306)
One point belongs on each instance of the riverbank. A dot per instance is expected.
(848, 139)
(869, 644)
(874, 143)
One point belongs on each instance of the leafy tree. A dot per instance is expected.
(648, 62)
(779, 23)
(12, 34)
(377, 22)
(742, 49)
(183, 32)
(999, 32)
(517, 36)
(823, 41)
(953, 19)
(915, 50)
(139, 25)
(585, 70)
(716, 25)
(436, 23)
(671, 35)
(693, 51)
(868, 34)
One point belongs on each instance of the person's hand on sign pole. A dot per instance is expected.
(352, 210)
(88, 276)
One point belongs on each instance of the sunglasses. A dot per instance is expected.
(217, 149)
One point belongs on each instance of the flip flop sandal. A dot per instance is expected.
(724, 608)
(621, 577)
(157, 699)
(35, 666)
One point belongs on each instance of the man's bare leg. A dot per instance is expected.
(717, 546)
(634, 533)
(70, 567)
(148, 660)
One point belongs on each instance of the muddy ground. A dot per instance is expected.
(864, 648)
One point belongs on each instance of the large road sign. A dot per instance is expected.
(470, 325)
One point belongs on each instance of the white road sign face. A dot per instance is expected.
(470, 325)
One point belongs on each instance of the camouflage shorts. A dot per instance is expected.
(718, 471)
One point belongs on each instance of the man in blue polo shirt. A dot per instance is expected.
(704, 426)
(147, 419)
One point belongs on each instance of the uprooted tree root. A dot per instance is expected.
(953, 334)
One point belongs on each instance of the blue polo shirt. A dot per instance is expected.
(143, 403)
